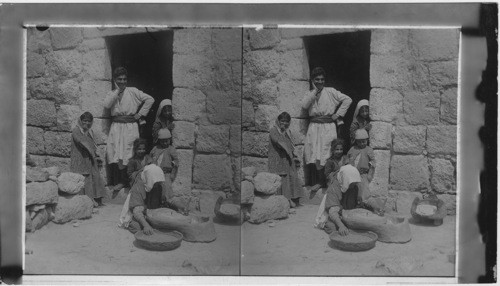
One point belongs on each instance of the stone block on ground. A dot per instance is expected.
(247, 192)
(71, 183)
(409, 173)
(267, 183)
(272, 207)
(409, 139)
(249, 171)
(36, 175)
(41, 193)
(71, 208)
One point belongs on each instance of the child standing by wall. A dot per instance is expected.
(165, 156)
(361, 156)
(361, 119)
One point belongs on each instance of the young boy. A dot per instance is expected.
(165, 156)
(361, 156)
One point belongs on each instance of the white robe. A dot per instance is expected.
(122, 135)
(319, 136)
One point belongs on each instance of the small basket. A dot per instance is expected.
(159, 240)
(436, 218)
(354, 241)
(227, 217)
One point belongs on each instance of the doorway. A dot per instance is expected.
(148, 60)
(346, 60)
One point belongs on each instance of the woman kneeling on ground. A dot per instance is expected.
(342, 191)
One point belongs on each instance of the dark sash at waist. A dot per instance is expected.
(321, 119)
(124, 119)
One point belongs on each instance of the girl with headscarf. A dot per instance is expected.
(85, 160)
(361, 119)
(326, 107)
(282, 160)
(164, 118)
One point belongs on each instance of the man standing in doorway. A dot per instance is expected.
(123, 103)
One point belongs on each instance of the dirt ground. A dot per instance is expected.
(294, 247)
(291, 247)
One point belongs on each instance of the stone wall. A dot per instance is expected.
(413, 103)
(68, 72)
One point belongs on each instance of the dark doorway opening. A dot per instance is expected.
(346, 60)
(148, 60)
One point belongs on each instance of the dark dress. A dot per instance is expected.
(83, 161)
(281, 162)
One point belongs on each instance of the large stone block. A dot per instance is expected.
(294, 65)
(419, 76)
(41, 193)
(183, 134)
(223, 107)
(262, 92)
(451, 203)
(93, 95)
(380, 182)
(39, 160)
(267, 183)
(212, 172)
(212, 139)
(262, 63)
(236, 174)
(40, 88)
(388, 41)
(67, 117)
(442, 176)
(385, 105)
(67, 92)
(409, 139)
(38, 41)
(188, 105)
(192, 71)
(58, 143)
(290, 97)
(226, 43)
(442, 139)
(71, 183)
(290, 45)
(36, 175)
(182, 183)
(92, 44)
(65, 38)
(273, 207)
(65, 63)
(381, 135)
(35, 64)
(421, 108)
(248, 113)
(34, 140)
(298, 128)
(263, 38)
(260, 164)
(435, 44)
(235, 140)
(389, 71)
(409, 173)
(265, 117)
(62, 163)
(73, 207)
(448, 111)
(192, 41)
(94, 65)
(443, 74)
(255, 143)
(225, 77)
(41, 113)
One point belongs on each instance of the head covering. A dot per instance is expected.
(163, 103)
(164, 134)
(361, 134)
(361, 103)
(347, 175)
(89, 131)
